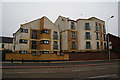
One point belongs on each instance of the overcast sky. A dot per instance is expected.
(16, 13)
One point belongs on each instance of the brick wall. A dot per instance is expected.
(92, 56)
(41, 57)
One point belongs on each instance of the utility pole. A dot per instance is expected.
(109, 43)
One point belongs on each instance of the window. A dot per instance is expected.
(44, 52)
(105, 46)
(72, 25)
(96, 24)
(101, 44)
(87, 35)
(23, 41)
(55, 35)
(72, 35)
(87, 26)
(55, 45)
(3, 45)
(97, 36)
(14, 47)
(34, 34)
(55, 42)
(34, 46)
(33, 53)
(97, 45)
(24, 30)
(73, 45)
(104, 37)
(101, 35)
(55, 52)
(44, 42)
(88, 45)
(63, 20)
(14, 38)
(22, 52)
(45, 31)
(103, 28)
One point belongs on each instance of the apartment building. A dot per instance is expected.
(6, 43)
(37, 37)
(41, 36)
(81, 34)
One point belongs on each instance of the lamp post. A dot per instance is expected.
(108, 36)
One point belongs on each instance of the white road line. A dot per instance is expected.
(87, 69)
(104, 76)
(30, 72)
(21, 72)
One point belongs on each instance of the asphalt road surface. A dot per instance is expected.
(74, 70)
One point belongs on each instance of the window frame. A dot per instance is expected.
(44, 31)
(88, 46)
(55, 35)
(24, 30)
(24, 41)
(72, 35)
(3, 46)
(34, 53)
(24, 52)
(98, 45)
(73, 46)
(44, 42)
(97, 27)
(34, 45)
(87, 36)
(55, 52)
(103, 28)
(72, 25)
(87, 26)
(97, 36)
(44, 52)
(55, 45)
(34, 34)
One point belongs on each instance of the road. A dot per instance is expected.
(76, 70)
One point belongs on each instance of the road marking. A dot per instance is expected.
(77, 70)
(29, 72)
(88, 69)
(114, 75)
(21, 72)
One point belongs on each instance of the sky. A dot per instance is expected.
(16, 13)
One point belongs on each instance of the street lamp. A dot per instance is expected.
(108, 35)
